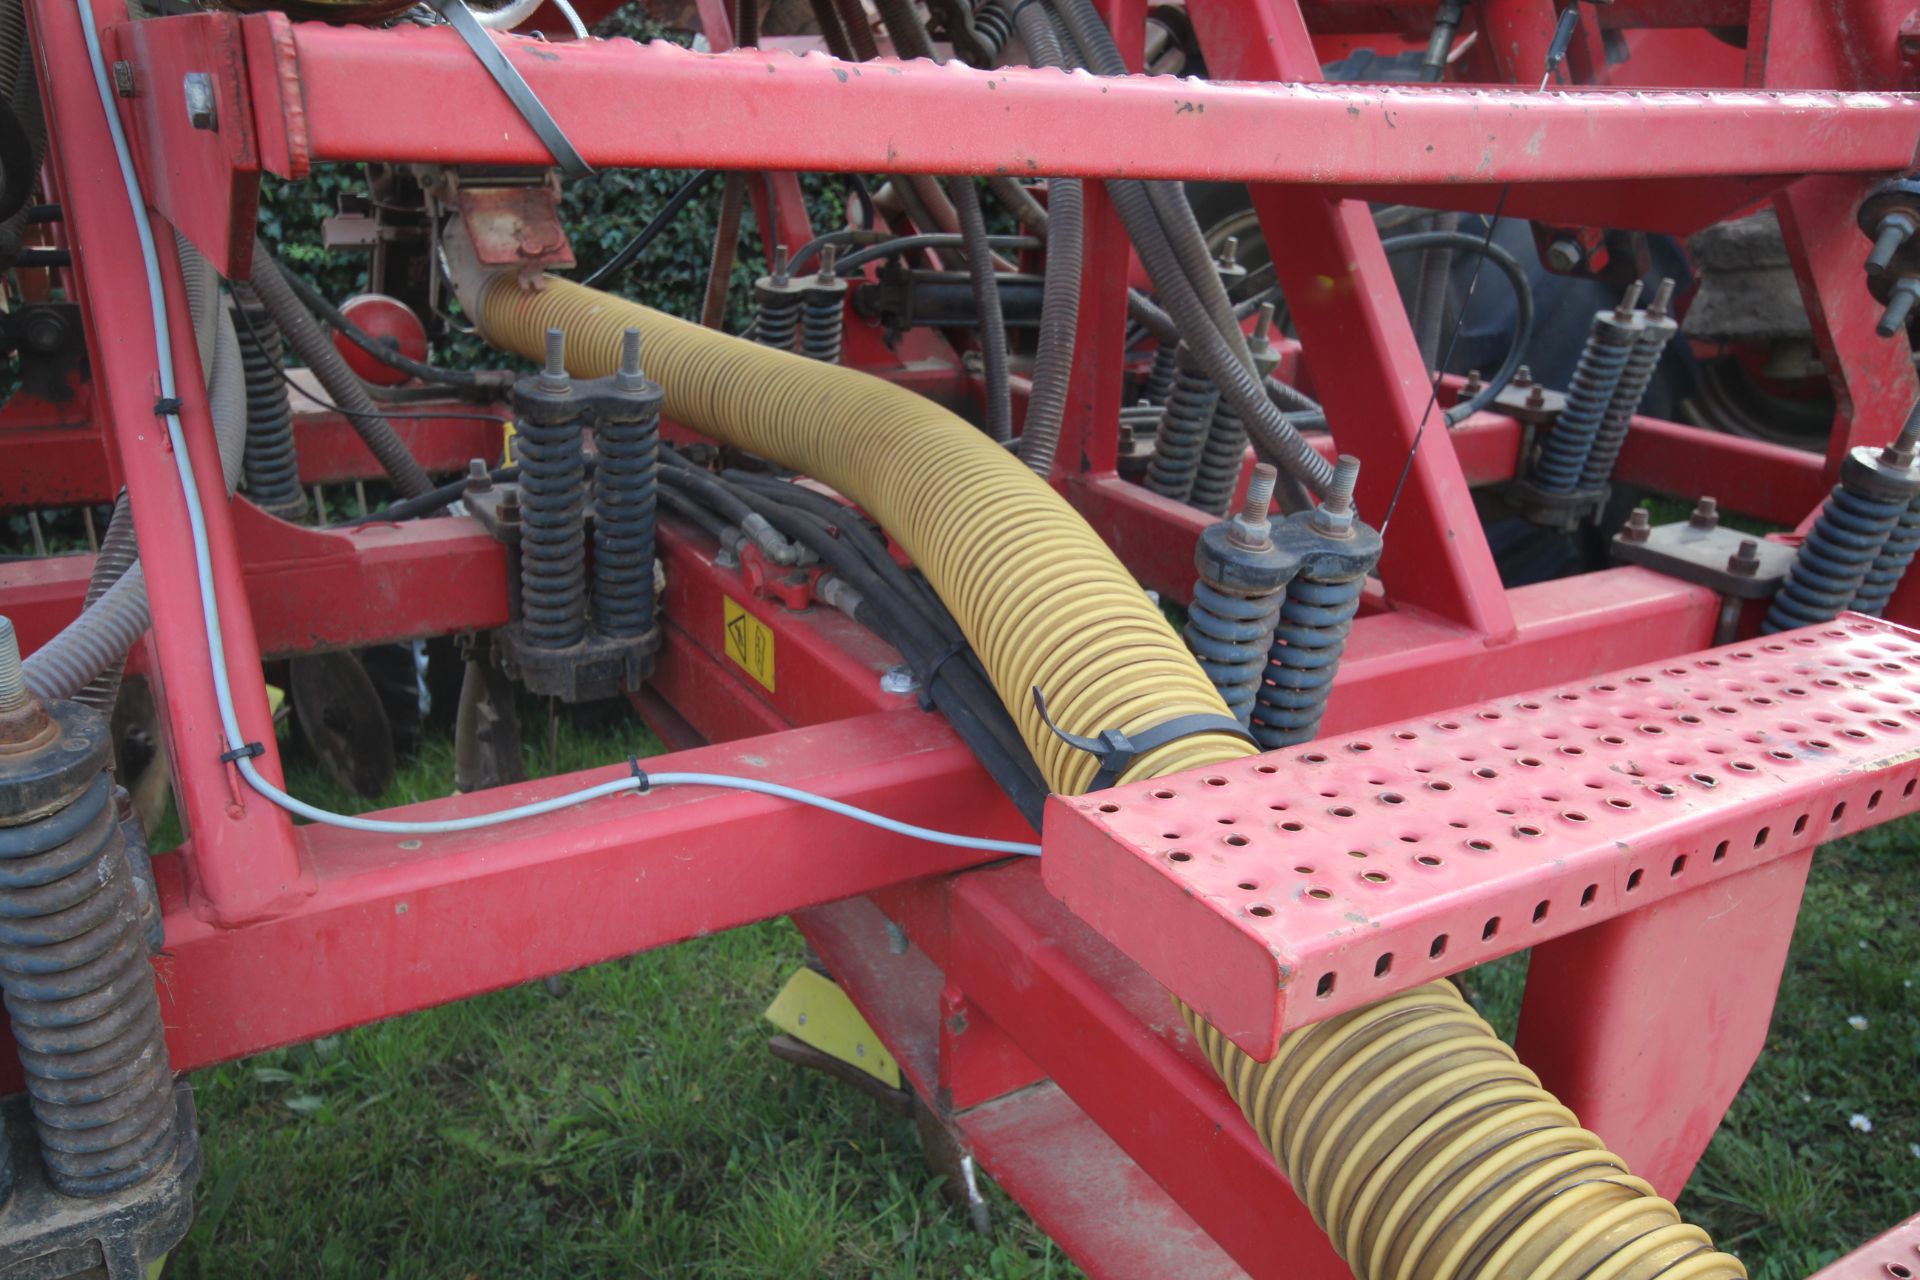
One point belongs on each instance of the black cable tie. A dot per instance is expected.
(166, 405)
(1116, 751)
(247, 752)
(951, 652)
(640, 775)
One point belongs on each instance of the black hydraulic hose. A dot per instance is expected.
(685, 505)
(958, 689)
(383, 351)
(431, 503)
(986, 302)
(632, 249)
(1064, 225)
(1516, 276)
(304, 335)
(722, 496)
(931, 240)
(1274, 437)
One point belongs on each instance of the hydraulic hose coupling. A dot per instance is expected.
(1182, 433)
(551, 648)
(1226, 446)
(1860, 545)
(1656, 330)
(779, 297)
(1603, 360)
(74, 951)
(823, 311)
(1237, 596)
(1335, 552)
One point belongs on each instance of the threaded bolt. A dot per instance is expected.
(1346, 474)
(1230, 252)
(1262, 326)
(628, 376)
(1627, 302)
(1705, 514)
(1639, 525)
(1662, 297)
(1895, 230)
(1746, 561)
(553, 377)
(829, 258)
(13, 676)
(780, 262)
(479, 479)
(1260, 492)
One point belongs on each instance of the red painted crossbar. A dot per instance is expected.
(1284, 888)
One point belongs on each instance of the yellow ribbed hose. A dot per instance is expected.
(1419, 1142)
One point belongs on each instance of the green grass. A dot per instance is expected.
(634, 1124)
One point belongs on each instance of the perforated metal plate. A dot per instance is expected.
(1282, 889)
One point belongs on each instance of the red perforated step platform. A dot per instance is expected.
(1284, 888)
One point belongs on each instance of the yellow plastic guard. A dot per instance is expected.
(815, 1011)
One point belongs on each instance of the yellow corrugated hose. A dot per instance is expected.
(1417, 1139)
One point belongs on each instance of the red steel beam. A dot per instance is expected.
(399, 924)
(327, 93)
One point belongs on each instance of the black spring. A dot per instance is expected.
(1315, 620)
(1890, 566)
(1231, 636)
(269, 466)
(1602, 362)
(625, 495)
(1159, 383)
(1220, 461)
(823, 321)
(993, 25)
(1182, 433)
(1632, 389)
(779, 317)
(553, 570)
(1834, 560)
(73, 960)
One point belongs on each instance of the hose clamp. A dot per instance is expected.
(1116, 751)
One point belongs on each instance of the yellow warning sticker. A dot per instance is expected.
(749, 641)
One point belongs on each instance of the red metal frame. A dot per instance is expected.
(1054, 1055)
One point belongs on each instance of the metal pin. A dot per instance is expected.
(780, 261)
(553, 377)
(1627, 300)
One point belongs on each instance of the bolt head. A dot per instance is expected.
(1565, 254)
(1705, 514)
(899, 680)
(1639, 526)
(202, 104)
(1746, 561)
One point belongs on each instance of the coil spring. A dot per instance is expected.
(1834, 560)
(1230, 636)
(624, 501)
(822, 325)
(140, 866)
(778, 319)
(1632, 389)
(1182, 432)
(553, 571)
(1220, 458)
(1602, 363)
(1159, 383)
(1315, 620)
(269, 465)
(1890, 566)
(73, 960)
(993, 25)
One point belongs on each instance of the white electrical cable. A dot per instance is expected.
(210, 606)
